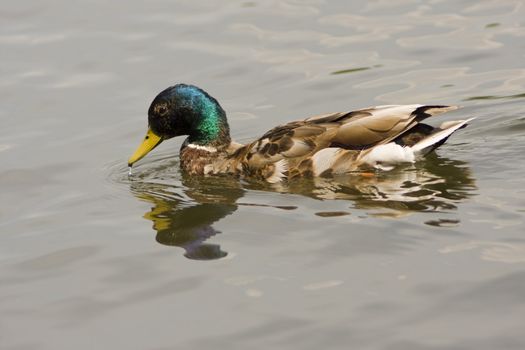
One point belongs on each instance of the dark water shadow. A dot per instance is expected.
(184, 208)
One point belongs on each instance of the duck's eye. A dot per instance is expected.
(161, 109)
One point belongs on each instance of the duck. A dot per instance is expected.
(376, 138)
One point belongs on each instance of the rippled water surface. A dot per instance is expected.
(428, 256)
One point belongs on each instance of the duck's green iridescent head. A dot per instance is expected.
(184, 110)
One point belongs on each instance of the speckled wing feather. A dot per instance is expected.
(293, 140)
(298, 143)
(359, 129)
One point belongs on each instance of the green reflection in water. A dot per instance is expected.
(184, 208)
(493, 97)
(351, 70)
(492, 25)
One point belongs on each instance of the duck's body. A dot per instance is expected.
(335, 143)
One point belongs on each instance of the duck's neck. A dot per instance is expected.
(210, 128)
(208, 123)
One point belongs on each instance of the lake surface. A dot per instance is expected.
(429, 256)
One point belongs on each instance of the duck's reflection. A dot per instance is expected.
(183, 215)
(184, 209)
(436, 184)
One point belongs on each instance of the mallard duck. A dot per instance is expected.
(336, 143)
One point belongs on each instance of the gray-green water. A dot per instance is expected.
(430, 256)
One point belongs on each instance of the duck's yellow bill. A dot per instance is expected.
(151, 140)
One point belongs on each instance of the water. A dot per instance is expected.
(430, 256)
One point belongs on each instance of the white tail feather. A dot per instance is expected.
(448, 129)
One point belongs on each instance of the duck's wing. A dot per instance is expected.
(290, 144)
(293, 140)
(378, 125)
(356, 130)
